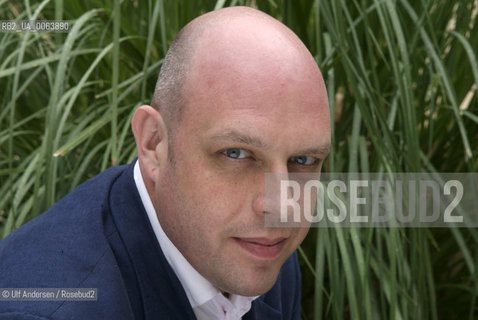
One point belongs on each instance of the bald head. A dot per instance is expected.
(236, 42)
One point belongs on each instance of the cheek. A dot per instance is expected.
(215, 196)
(215, 204)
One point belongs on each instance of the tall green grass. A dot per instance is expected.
(402, 79)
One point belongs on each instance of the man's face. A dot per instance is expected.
(236, 126)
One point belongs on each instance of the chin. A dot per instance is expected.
(250, 287)
(250, 291)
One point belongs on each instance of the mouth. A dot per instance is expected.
(262, 248)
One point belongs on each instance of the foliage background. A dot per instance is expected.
(402, 78)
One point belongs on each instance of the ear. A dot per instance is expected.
(151, 137)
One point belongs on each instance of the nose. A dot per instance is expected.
(269, 197)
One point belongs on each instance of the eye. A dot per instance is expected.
(304, 160)
(236, 153)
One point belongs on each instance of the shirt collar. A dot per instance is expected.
(198, 289)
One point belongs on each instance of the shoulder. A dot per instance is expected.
(59, 233)
(65, 247)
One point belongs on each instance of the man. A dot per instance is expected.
(180, 233)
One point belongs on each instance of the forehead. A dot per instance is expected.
(277, 112)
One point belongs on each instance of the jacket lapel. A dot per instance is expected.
(262, 311)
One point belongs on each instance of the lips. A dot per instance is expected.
(262, 248)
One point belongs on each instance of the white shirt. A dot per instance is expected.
(207, 302)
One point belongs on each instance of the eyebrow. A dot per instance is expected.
(239, 137)
(316, 150)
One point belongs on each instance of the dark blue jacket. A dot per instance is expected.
(99, 236)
